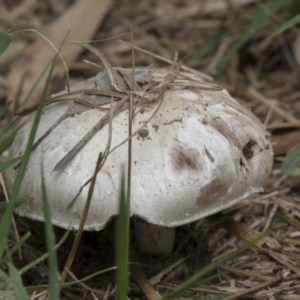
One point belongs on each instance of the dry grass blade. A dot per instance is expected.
(183, 67)
(283, 260)
(264, 285)
(106, 64)
(69, 97)
(243, 231)
(246, 273)
(251, 92)
(82, 222)
(31, 64)
(62, 163)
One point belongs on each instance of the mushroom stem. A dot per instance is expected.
(154, 238)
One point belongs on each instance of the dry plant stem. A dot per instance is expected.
(143, 283)
(62, 163)
(85, 286)
(243, 231)
(67, 97)
(280, 258)
(183, 67)
(15, 228)
(110, 151)
(261, 286)
(129, 162)
(295, 223)
(270, 217)
(251, 92)
(81, 225)
(247, 273)
(158, 277)
(107, 66)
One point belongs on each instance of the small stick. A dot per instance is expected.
(270, 217)
(269, 103)
(263, 285)
(143, 283)
(66, 159)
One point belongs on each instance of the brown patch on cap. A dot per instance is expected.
(184, 158)
(248, 149)
(220, 125)
(212, 191)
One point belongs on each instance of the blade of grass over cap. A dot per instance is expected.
(4, 109)
(7, 138)
(19, 201)
(7, 217)
(121, 245)
(260, 17)
(50, 244)
(9, 163)
(5, 40)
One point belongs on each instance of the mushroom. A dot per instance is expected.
(196, 151)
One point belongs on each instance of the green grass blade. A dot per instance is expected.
(9, 163)
(208, 46)
(260, 17)
(6, 139)
(4, 109)
(42, 257)
(291, 23)
(19, 201)
(15, 247)
(121, 246)
(7, 217)
(6, 294)
(5, 40)
(6, 136)
(196, 278)
(50, 244)
(291, 163)
(45, 287)
(17, 284)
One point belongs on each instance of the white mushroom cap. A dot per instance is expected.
(200, 153)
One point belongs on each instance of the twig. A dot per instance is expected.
(263, 285)
(143, 283)
(82, 222)
(270, 103)
(279, 258)
(243, 231)
(270, 217)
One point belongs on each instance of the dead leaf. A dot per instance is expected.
(296, 49)
(80, 22)
(282, 143)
